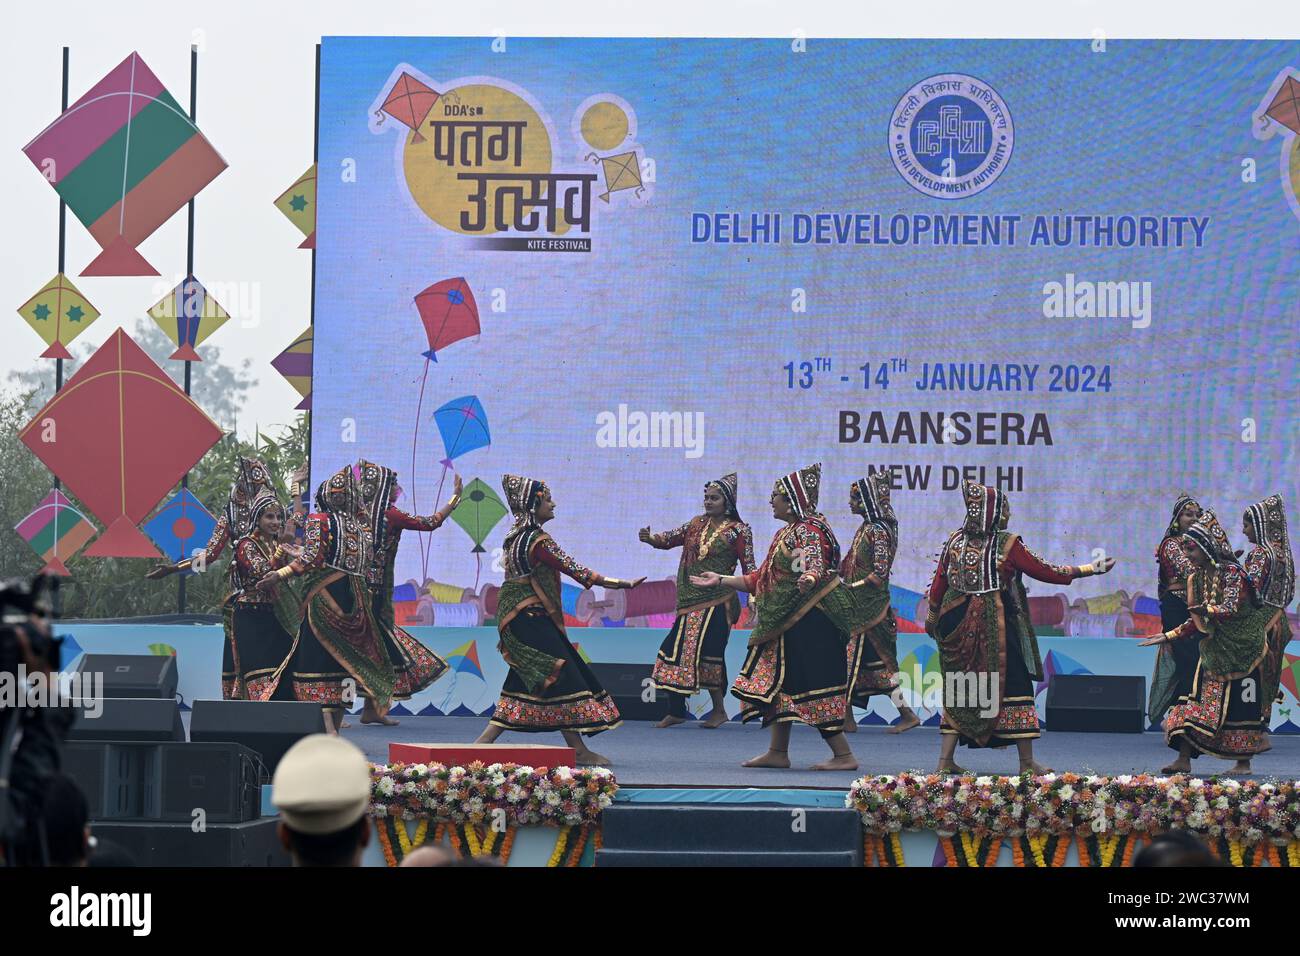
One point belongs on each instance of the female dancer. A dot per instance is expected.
(866, 569)
(549, 686)
(338, 636)
(233, 524)
(979, 617)
(262, 621)
(1176, 662)
(796, 667)
(1225, 712)
(691, 656)
(415, 667)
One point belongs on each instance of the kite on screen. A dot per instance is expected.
(298, 203)
(479, 511)
(188, 315)
(294, 363)
(1278, 114)
(181, 526)
(58, 314)
(119, 434)
(124, 157)
(409, 102)
(448, 314)
(56, 531)
(621, 172)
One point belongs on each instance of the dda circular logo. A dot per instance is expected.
(950, 136)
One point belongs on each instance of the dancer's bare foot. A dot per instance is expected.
(670, 721)
(775, 759)
(715, 719)
(950, 766)
(1181, 765)
(905, 723)
(369, 715)
(1034, 767)
(1240, 769)
(846, 762)
(344, 725)
(589, 758)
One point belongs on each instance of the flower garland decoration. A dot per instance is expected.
(1106, 817)
(481, 806)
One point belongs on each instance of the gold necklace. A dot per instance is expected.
(706, 540)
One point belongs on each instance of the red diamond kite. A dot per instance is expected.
(409, 102)
(1285, 108)
(120, 434)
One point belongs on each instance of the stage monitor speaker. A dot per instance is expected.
(129, 718)
(149, 781)
(133, 675)
(221, 779)
(267, 727)
(627, 683)
(1097, 703)
(156, 843)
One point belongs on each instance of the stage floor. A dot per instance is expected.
(689, 755)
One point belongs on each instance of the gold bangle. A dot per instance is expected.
(452, 502)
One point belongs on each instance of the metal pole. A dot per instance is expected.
(189, 271)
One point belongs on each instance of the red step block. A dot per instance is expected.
(460, 755)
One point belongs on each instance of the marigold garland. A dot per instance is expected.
(579, 845)
(1105, 817)
(507, 842)
(561, 841)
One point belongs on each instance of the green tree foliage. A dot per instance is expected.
(116, 587)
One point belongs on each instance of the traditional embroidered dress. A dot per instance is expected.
(1225, 712)
(339, 637)
(235, 522)
(1270, 566)
(691, 657)
(415, 666)
(1175, 663)
(261, 624)
(251, 482)
(866, 567)
(549, 686)
(795, 669)
(979, 617)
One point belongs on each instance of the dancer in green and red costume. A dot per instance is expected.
(1176, 661)
(549, 686)
(1237, 626)
(796, 669)
(415, 666)
(979, 617)
(692, 655)
(866, 569)
(341, 651)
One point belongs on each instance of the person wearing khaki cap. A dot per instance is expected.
(321, 789)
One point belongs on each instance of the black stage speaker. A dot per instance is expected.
(222, 779)
(129, 718)
(143, 781)
(156, 843)
(268, 728)
(1097, 703)
(133, 675)
(626, 683)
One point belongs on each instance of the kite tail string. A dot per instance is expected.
(426, 546)
(478, 568)
(415, 438)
